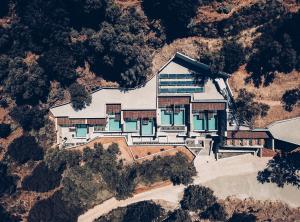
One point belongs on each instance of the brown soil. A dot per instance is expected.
(268, 153)
(263, 210)
(191, 46)
(143, 188)
(129, 154)
(270, 95)
(90, 80)
(106, 141)
(141, 153)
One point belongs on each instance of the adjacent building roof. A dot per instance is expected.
(143, 98)
(286, 130)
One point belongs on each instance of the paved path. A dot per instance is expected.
(227, 177)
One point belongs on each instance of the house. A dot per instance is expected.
(286, 134)
(183, 104)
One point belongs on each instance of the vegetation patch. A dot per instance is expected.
(146, 211)
(42, 179)
(25, 148)
(5, 130)
(282, 169)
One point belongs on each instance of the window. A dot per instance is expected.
(212, 121)
(199, 121)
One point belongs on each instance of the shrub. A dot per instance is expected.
(241, 217)
(82, 188)
(28, 117)
(178, 216)
(5, 130)
(25, 148)
(3, 103)
(216, 212)
(290, 99)
(42, 179)
(58, 160)
(282, 169)
(234, 55)
(134, 212)
(122, 47)
(145, 211)
(7, 182)
(247, 110)
(197, 198)
(175, 168)
(177, 14)
(5, 216)
(80, 98)
(4, 8)
(26, 84)
(53, 209)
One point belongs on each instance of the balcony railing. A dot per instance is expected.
(173, 128)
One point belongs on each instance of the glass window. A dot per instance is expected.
(199, 122)
(212, 121)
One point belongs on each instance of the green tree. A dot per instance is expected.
(80, 98)
(178, 215)
(197, 197)
(241, 217)
(215, 212)
(178, 13)
(7, 182)
(4, 61)
(60, 159)
(26, 84)
(247, 110)
(234, 55)
(28, 117)
(4, 8)
(42, 179)
(25, 148)
(5, 130)
(290, 99)
(60, 64)
(145, 211)
(282, 169)
(122, 47)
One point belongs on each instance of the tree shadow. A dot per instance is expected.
(282, 169)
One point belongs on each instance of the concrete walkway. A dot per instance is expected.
(227, 177)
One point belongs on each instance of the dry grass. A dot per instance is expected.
(191, 46)
(270, 95)
(125, 153)
(143, 188)
(263, 210)
(89, 79)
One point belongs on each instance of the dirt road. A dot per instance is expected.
(234, 176)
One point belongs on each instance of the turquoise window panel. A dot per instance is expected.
(114, 125)
(179, 118)
(199, 123)
(147, 128)
(166, 118)
(212, 123)
(81, 130)
(131, 125)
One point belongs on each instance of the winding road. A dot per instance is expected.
(234, 176)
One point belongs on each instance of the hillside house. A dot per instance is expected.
(183, 104)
